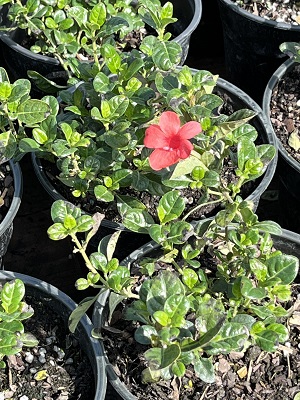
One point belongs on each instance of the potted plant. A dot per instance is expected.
(45, 364)
(66, 34)
(18, 112)
(195, 294)
(253, 32)
(280, 106)
(102, 154)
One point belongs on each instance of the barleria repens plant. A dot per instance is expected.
(74, 31)
(207, 288)
(102, 140)
(13, 310)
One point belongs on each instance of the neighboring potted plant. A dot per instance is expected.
(52, 362)
(253, 31)
(62, 35)
(18, 113)
(184, 301)
(96, 137)
(280, 104)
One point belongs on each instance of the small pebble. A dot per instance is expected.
(42, 359)
(42, 350)
(29, 357)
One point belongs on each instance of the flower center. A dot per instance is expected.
(174, 142)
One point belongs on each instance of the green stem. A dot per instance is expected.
(84, 255)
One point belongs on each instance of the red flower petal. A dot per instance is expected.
(185, 149)
(155, 137)
(169, 122)
(160, 159)
(189, 130)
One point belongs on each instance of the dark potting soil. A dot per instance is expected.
(285, 111)
(279, 10)
(56, 369)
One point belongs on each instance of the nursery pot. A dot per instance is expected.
(6, 225)
(251, 47)
(18, 59)
(288, 242)
(288, 167)
(63, 305)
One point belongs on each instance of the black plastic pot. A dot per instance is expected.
(62, 304)
(288, 168)
(288, 242)
(6, 225)
(251, 47)
(18, 59)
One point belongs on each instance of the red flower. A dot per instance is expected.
(170, 140)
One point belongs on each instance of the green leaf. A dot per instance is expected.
(170, 207)
(205, 370)
(251, 292)
(137, 220)
(231, 338)
(79, 312)
(206, 338)
(97, 15)
(32, 111)
(169, 355)
(145, 334)
(12, 294)
(281, 330)
(283, 267)
(166, 54)
(103, 194)
(267, 340)
(269, 227)
(186, 166)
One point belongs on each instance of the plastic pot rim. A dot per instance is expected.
(16, 201)
(260, 20)
(275, 78)
(194, 22)
(26, 52)
(96, 346)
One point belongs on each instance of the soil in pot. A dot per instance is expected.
(285, 109)
(56, 369)
(284, 112)
(280, 11)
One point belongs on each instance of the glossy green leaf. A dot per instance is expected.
(170, 207)
(205, 370)
(283, 267)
